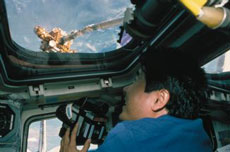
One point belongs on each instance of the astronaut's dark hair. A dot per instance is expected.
(181, 75)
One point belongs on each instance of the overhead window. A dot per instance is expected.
(56, 38)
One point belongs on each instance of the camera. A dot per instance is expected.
(89, 116)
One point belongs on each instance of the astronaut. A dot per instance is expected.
(52, 41)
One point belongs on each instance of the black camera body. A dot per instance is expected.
(90, 124)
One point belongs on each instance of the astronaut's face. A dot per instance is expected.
(135, 99)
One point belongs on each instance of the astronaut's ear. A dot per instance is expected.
(161, 99)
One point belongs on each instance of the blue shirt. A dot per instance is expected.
(163, 134)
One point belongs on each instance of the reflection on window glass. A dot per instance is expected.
(95, 23)
(220, 64)
(33, 138)
(44, 135)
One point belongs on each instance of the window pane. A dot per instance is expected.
(68, 15)
(218, 65)
(51, 128)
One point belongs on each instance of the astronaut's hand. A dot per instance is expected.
(68, 144)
